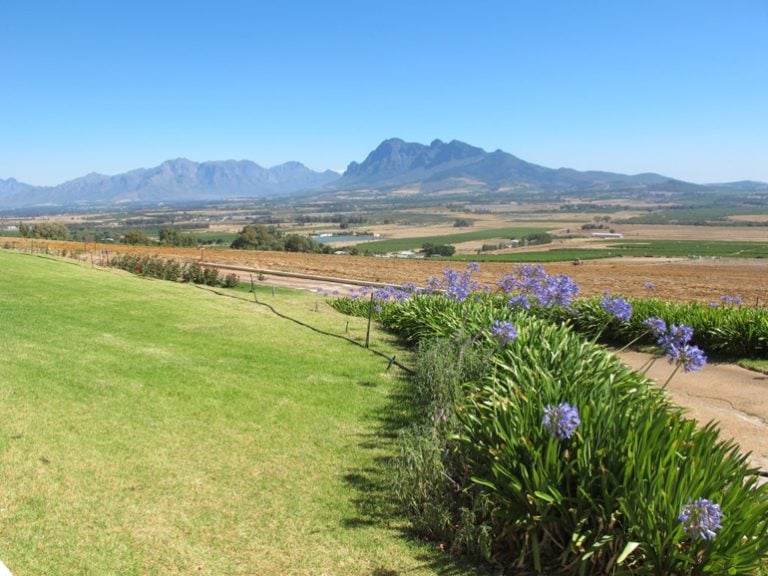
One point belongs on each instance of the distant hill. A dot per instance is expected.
(457, 165)
(12, 187)
(454, 168)
(173, 181)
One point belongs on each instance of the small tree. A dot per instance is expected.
(258, 237)
(430, 249)
(135, 237)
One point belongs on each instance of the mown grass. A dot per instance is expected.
(148, 427)
(757, 365)
(398, 244)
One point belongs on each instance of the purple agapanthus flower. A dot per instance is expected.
(676, 336)
(691, 358)
(701, 518)
(656, 325)
(390, 294)
(537, 285)
(561, 421)
(520, 301)
(456, 285)
(616, 307)
(504, 332)
(731, 300)
(675, 341)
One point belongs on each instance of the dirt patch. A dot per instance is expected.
(734, 397)
(670, 232)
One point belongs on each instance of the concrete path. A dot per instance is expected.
(735, 397)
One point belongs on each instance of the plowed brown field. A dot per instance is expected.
(675, 279)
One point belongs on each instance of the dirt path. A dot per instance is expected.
(735, 397)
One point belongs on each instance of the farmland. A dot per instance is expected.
(704, 279)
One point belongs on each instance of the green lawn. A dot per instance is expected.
(156, 428)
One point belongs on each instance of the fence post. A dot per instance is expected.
(253, 289)
(370, 316)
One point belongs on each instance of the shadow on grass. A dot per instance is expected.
(372, 486)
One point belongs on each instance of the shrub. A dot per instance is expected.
(193, 273)
(738, 331)
(482, 472)
(430, 249)
(608, 498)
(230, 281)
(425, 465)
(210, 277)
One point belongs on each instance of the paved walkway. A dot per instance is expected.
(735, 397)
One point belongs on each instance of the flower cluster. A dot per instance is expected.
(535, 284)
(503, 332)
(520, 301)
(727, 300)
(701, 518)
(561, 421)
(457, 285)
(656, 325)
(385, 294)
(616, 307)
(675, 341)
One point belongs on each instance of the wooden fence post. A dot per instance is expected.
(370, 317)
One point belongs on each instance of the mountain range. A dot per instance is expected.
(177, 180)
(455, 164)
(394, 166)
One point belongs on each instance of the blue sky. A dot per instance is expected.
(677, 87)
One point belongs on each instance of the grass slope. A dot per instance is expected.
(154, 428)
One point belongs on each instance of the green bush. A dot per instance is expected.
(211, 277)
(609, 498)
(438, 506)
(736, 331)
(430, 249)
(230, 281)
(485, 475)
(731, 331)
(193, 273)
